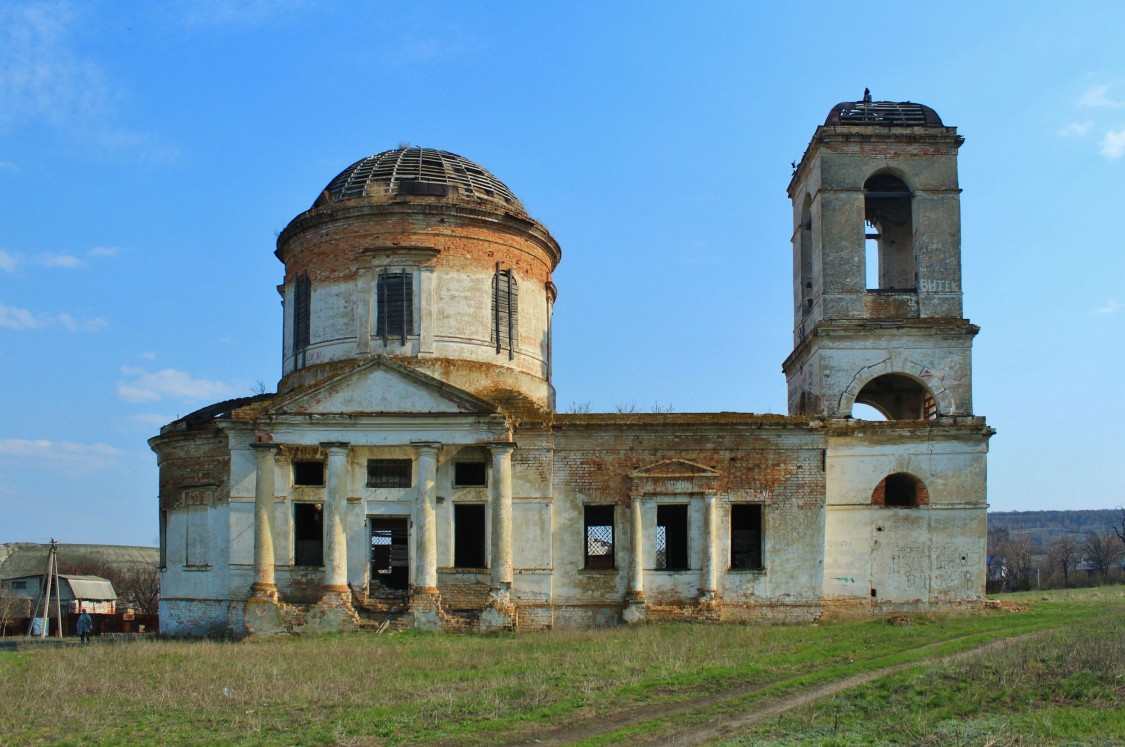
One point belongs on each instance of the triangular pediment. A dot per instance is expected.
(674, 468)
(380, 386)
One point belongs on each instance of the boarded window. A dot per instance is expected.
(505, 311)
(394, 296)
(468, 535)
(672, 537)
(302, 317)
(198, 539)
(746, 536)
(598, 523)
(308, 474)
(308, 534)
(469, 475)
(389, 473)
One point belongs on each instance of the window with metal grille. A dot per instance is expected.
(672, 537)
(394, 296)
(308, 534)
(505, 311)
(308, 474)
(389, 473)
(302, 317)
(469, 475)
(468, 535)
(746, 536)
(598, 522)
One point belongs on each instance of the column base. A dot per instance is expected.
(262, 616)
(263, 591)
(499, 614)
(425, 608)
(634, 611)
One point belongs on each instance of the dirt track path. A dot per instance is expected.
(729, 725)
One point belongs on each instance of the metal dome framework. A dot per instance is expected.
(417, 171)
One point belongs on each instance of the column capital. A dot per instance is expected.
(334, 445)
(424, 447)
(265, 445)
(500, 447)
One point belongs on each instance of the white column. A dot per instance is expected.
(425, 572)
(711, 547)
(335, 538)
(636, 559)
(264, 584)
(502, 515)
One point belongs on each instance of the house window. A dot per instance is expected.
(19, 585)
(389, 473)
(394, 296)
(469, 475)
(468, 535)
(308, 534)
(302, 317)
(505, 311)
(308, 474)
(598, 522)
(746, 536)
(672, 537)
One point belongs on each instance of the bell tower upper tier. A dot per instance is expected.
(877, 266)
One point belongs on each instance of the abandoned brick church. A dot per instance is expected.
(412, 468)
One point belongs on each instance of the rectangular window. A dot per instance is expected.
(389, 473)
(672, 537)
(302, 316)
(505, 310)
(469, 475)
(746, 536)
(394, 297)
(598, 522)
(468, 535)
(308, 474)
(308, 534)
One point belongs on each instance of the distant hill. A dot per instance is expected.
(29, 558)
(1044, 527)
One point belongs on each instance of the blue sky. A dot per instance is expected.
(150, 153)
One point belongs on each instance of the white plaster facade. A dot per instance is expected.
(411, 469)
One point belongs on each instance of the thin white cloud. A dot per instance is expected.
(1077, 129)
(104, 251)
(70, 455)
(45, 81)
(14, 317)
(8, 166)
(1098, 97)
(227, 13)
(8, 261)
(149, 420)
(12, 261)
(1113, 144)
(1110, 307)
(148, 356)
(146, 386)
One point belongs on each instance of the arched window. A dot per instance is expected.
(900, 490)
(890, 238)
(805, 292)
(505, 311)
(898, 397)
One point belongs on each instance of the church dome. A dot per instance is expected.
(418, 171)
(883, 113)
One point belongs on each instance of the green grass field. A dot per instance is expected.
(650, 684)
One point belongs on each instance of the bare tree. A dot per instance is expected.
(137, 586)
(1019, 559)
(1063, 555)
(1119, 525)
(1103, 551)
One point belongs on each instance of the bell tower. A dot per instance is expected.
(877, 315)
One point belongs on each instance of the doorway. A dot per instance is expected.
(390, 553)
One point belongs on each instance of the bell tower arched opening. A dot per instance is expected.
(898, 397)
(887, 211)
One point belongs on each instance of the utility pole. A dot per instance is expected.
(51, 578)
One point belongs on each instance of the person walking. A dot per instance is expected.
(85, 626)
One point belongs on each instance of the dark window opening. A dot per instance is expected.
(505, 310)
(897, 397)
(308, 474)
(746, 536)
(418, 187)
(394, 295)
(900, 489)
(887, 210)
(302, 317)
(468, 535)
(389, 473)
(469, 474)
(672, 537)
(308, 534)
(804, 291)
(598, 522)
(390, 553)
